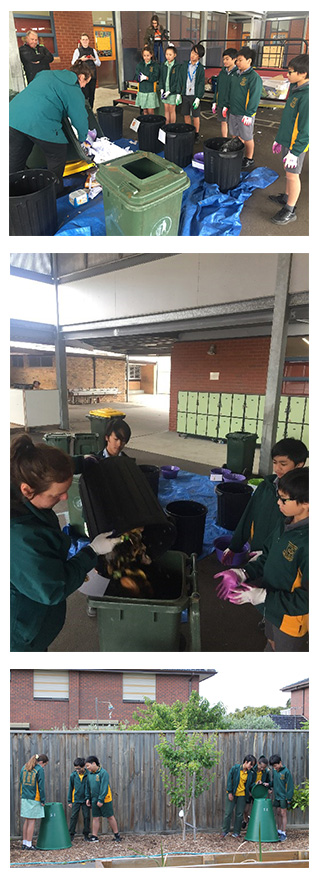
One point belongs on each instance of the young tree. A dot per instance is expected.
(188, 769)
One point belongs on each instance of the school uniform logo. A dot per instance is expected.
(293, 102)
(243, 81)
(290, 551)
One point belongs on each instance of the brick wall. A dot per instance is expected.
(68, 27)
(242, 365)
(27, 374)
(80, 374)
(300, 702)
(84, 688)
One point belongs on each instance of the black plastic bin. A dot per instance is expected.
(148, 133)
(189, 518)
(222, 168)
(152, 474)
(241, 447)
(111, 120)
(232, 500)
(179, 143)
(32, 203)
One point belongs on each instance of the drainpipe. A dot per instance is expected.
(127, 377)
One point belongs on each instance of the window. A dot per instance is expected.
(17, 360)
(136, 686)
(42, 23)
(51, 685)
(40, 360)
(134, 373)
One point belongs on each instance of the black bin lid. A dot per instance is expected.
(116, 496)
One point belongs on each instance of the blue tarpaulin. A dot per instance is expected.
(204, 211)
(192, 487)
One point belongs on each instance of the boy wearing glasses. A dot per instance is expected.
(279, 576)
(293, 138)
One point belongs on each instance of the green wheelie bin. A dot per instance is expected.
(142, 194)
(240, 451)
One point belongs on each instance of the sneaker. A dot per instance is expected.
(235, 835)
(247, 163)
(117, 837)
(29, 848)
(279, 199)
(222, 835)
(93, 839)
(284, 216)
(244, 825)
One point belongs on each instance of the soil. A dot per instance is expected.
(151, 844)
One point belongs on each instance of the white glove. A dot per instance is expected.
(290, 161)
(178, 100)
(224, 112)
(252, 595)
(142, 77)
(103, 543)
(196, 103)
(246, 120)
(166, 94)
(214, 108)
(241, 574)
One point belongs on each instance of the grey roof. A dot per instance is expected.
(299, 685)
(288, 721)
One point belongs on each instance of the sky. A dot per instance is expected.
(253, 678)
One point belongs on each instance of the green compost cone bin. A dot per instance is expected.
(53, 833)
(142, 194)
(261, 824)
(240, 451)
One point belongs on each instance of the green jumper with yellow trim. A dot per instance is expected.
(293, 132)
(238, 785)
(100, 792)
(283, 570)
(244, 93)
(78, 793)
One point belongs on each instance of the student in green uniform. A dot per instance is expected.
(42, 576)
(222, 88)
(169, 83)
(237, 791)
(279, 576)
(32, 794)
(262, 512)
(100, 798)
(147, 75)
(293, 138)
(243, 101)
(78, 794)
(192, 87)
(259, 774)
(282, 784)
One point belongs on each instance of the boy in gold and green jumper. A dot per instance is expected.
(293, 138)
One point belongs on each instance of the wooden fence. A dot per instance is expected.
(139, 798)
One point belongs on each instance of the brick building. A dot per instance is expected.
(299, 694)
(43, 699)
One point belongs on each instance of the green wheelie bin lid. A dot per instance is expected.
(142, 194)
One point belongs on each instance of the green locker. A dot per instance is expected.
(201, 426)
(182, 401)
(192, 401)
(283, 408)
(226, 402)
(203, 403)
(294, 430)
(214, 404)
(182, 422)
(297, 407)
(191, 423)
(236, 424)
(281, 430)
(252, 405)
(259, 430)
(212, 427)
(224, 426)
(238, 403)
(305, 435)
(261, 407)
(250, 425)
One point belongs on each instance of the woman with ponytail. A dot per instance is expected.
(32, 796)
(42, 576)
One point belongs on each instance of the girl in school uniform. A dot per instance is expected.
(32, 794)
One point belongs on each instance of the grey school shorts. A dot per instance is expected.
(236, 127)
(187, 108)
(298, 168)
(285, 643)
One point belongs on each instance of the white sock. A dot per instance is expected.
(28, 844)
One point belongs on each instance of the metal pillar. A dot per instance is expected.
(276, 360)
(119, 49)
(127, 377)
(61, 360)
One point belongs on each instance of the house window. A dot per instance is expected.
(51, 685)
(42, 22)
(136, 687)
(17, 360)
(40, 360)
(134, 373)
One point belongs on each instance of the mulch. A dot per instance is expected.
(151, 844)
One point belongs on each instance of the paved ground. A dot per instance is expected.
(258, 209)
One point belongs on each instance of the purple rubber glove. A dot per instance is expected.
(214, 108)
(230, 581)
(276, 147)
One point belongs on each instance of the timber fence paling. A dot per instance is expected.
(130, 757)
